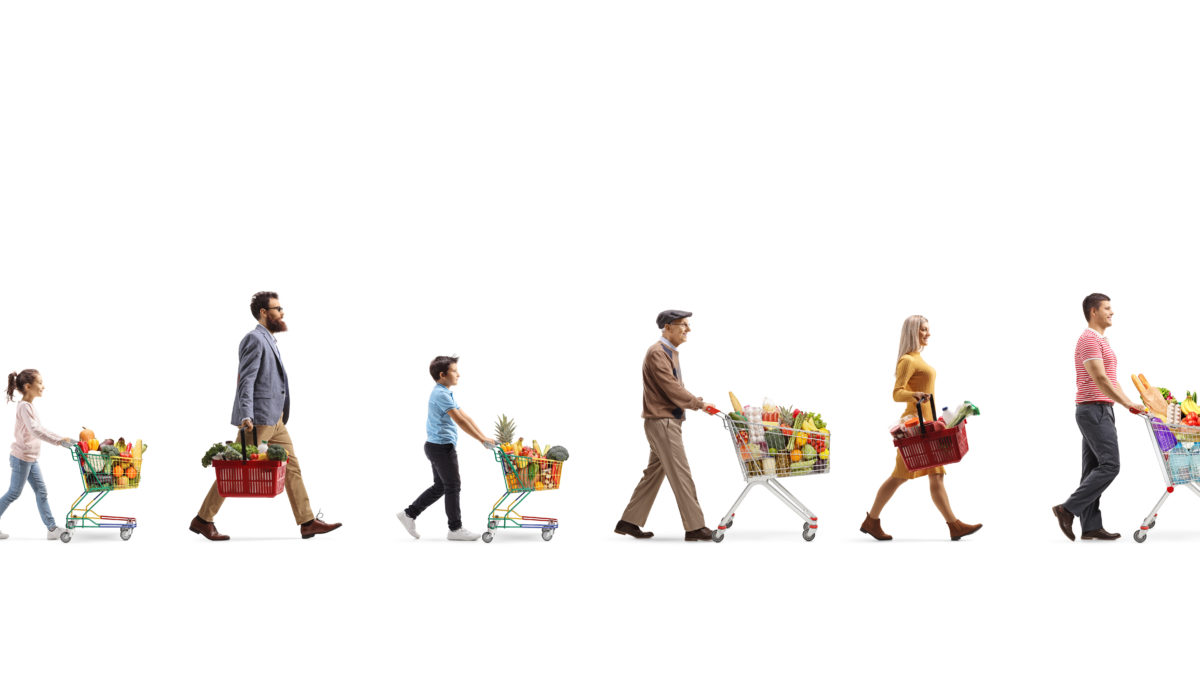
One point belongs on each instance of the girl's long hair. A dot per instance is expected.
(910, 336)
(18, 381)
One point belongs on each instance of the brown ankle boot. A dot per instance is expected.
(872, 527)
(959, 529)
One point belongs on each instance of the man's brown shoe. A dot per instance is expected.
(316, 526)
(207, 529)
(626, 527)
(959, 529)
(1100, 534)
(702, 534)
(872, 527)
(1066, 521)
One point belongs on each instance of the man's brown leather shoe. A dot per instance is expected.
(316, 526)
(872, 527)
(1101, 534)
(702, 534)
(959, 529)
(207, 529)
(626, 527)
(1066, 521)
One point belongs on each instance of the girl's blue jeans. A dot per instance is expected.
(23, 471)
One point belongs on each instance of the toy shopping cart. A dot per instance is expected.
(933, 448)
(784, 453)
(1177, 449)
(101, 475)
(522, 476)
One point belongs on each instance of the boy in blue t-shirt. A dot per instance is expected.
(441, 435)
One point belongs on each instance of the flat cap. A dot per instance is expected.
(667, 316)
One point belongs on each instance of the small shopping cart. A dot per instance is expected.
(781, 455)
(101, 475)
(523, 476)
(1177, 449)
(930, 448)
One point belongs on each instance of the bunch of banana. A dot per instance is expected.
(1189, 405)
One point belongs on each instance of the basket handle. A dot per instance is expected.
(242, 440)
(921, 416)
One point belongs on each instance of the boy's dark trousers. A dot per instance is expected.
(446, 482)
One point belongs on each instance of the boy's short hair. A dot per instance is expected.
(441, 365)
(1093, 302)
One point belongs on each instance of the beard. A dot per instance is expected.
(276, 325)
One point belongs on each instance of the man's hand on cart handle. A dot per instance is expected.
(1136, 410)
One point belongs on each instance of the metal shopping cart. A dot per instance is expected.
(522, 476)
(780, 453)
(101, 475)
(1177, 450)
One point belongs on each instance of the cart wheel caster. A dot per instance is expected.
(728, 524)
(126, 533)
(547, 533)
(70, 524)
(487, 537)
(1139, 536)
(1152, 523)
(65, 537)
(719, 535)
(492, 524)
(808, 534)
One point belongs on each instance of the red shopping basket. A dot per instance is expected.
(249, 478)
(933, 448)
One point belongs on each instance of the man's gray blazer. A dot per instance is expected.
(262, 386)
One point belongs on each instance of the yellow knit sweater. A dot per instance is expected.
(914, 375)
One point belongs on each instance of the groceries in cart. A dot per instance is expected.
(779, 440)
(526, 469)
(109, 464)
(1174, 426)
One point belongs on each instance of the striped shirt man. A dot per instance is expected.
(1093, 345)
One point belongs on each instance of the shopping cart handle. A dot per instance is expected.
(712, 410)
(1135, 411)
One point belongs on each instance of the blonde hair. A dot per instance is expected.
(910, 336)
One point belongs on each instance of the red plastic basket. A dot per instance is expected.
(933, 448)
(249, 479)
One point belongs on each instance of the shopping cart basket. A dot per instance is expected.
(1177, 451)
(522, 476)
(101, 475)
(780, 456)
(933, 448)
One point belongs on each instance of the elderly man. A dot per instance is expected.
(663, 402)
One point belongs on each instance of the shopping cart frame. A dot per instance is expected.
(504, 512)
(83, 515)
(767, 480)
(1160, 434)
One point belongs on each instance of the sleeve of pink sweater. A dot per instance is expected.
(26, 418)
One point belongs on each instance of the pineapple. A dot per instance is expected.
(505, 429)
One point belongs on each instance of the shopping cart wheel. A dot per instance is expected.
(1152, 523)
(1139, 536)
(487, 537)
(719, 536)
(492, 524)
(70, 524)
(809, 534)
(547, 533)
(728, 524)
(65, 537)
(126, 533)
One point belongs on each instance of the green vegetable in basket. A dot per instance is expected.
(206, 460)
(557, 453)
(808, 453)
(277, 453)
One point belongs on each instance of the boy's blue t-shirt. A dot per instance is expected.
(439, 428)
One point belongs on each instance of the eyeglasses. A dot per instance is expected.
(278, 307)
(681, 325)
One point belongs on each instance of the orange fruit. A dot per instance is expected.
(118, 471)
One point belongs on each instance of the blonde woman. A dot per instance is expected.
(914, 386)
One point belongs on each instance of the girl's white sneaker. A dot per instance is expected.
(55, 533)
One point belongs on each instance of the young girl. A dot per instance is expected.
(23, 460)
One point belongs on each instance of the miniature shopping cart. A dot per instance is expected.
(781, 455)
(522, 476)
(938, 447)
(1177, 449)
(102, 475)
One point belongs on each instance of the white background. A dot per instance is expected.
(527, 185)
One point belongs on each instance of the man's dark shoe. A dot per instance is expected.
(1066, 521)
(207, 529)
(1101, 534)
(626, 527)
(702, 534)
(316, 526)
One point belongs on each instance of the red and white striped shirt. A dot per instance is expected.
(1093, 345)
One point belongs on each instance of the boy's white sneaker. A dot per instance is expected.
(55, 533)
(462, 534)
(409, 524)
(3, 536)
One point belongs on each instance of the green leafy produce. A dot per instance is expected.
(808, 453)
(557, 453)
(206, 460)
(277, 453)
